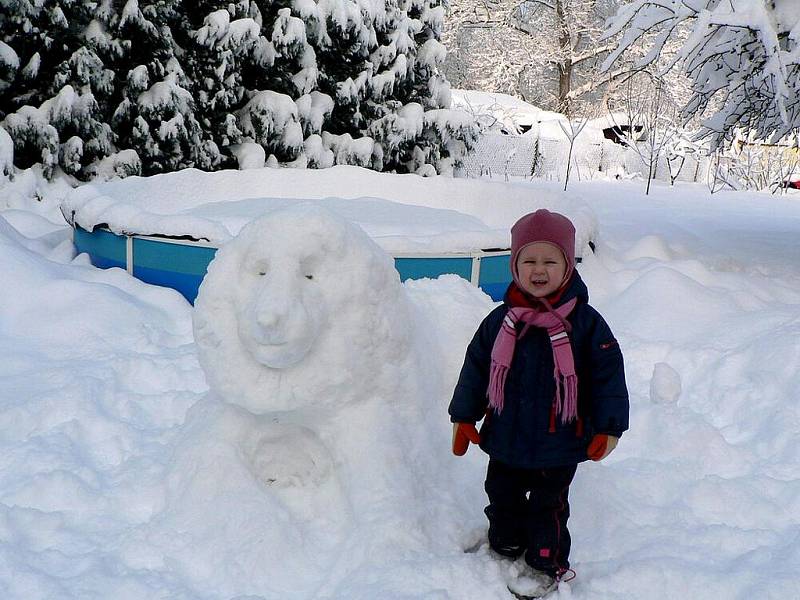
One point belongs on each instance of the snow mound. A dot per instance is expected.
(650, 246)
(665, 385)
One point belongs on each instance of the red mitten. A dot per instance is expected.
(601, 446)
(463, 434)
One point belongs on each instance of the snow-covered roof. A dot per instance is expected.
(510, 111)
(403, 213)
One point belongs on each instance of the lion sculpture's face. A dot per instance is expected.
(300, 309)
(280, 302)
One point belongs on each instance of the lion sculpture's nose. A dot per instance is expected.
(278, 304)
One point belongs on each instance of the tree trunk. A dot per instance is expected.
(565, 64)
(564, 77)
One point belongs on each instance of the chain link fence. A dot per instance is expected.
(508, 156)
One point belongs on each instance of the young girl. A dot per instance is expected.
(546, 372)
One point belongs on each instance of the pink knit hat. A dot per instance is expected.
(543, 226)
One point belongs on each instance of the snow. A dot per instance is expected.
(249, 155)
(665, 386)
(215, 27)
(8, 56)
(512, 116)
(313, 109)
(119, 164)
(163, 96)
(124, 475)
(435, 214)
(432, 53)
(31, 70)
(268, 115)
(6, 153)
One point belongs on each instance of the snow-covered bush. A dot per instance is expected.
(60, 88)
(754, 164)
(122, 164)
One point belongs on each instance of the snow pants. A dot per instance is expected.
(528, 511)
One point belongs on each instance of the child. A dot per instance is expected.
(547, 373)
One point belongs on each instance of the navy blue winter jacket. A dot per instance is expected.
(520, 435)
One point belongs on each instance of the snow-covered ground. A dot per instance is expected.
(123, 476)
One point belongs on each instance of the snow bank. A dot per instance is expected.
(31, 192)
(85, 416)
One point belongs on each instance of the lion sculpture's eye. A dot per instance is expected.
(309, 277)
(262, 273)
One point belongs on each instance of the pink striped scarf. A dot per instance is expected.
(566, 399)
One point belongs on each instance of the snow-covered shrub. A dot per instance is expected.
(271, 119)
(249, 155)
(70, 115)
(347, 151)
(9, 65)
(122, 164)
(71, 154)
(317, 153)
(35, 139)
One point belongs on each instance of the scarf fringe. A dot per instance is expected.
(497, 383)
(567, 397)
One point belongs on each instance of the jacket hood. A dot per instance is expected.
(575, 288)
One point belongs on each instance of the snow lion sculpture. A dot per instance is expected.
(302, 309)
(317, 425)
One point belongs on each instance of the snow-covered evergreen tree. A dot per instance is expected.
(743, 57)
(354, 72)
(220, 41)
(156, 113)
(167, 84)
(55, 87)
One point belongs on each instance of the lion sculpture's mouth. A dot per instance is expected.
(274, 354)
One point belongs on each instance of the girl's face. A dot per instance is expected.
(541, 267)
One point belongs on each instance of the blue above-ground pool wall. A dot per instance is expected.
(177, 265)
(417, 267)
(105, 249)
(181, 265)
(495, 273)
